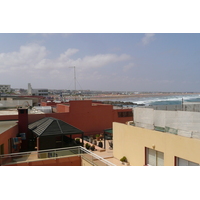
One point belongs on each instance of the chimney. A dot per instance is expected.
(23, 126)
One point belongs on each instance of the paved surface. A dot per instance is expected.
(108, 155)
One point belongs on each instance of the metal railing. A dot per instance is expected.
(34, 156)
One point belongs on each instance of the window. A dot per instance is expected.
(183, 162)
(125, 114)
(154, 158)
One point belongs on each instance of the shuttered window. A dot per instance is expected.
(154, 158)
(183, 162)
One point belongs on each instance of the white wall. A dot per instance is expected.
(187, 123)
(15, 103)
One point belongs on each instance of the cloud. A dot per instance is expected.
(26, 57)
(32, 60)
(68, 53)
(147, 38)
(128, 67)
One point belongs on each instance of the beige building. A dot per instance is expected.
(159, 138)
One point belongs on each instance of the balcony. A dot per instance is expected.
(70, 156)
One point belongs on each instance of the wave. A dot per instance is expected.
(163, 100)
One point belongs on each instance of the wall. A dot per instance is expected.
(69, 161)
(186, 123)
(15, 103)
(4, 137)
(91, 117)
(187, 106)
(130, 141)
(60, 108)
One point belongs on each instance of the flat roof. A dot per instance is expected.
(6, 125)
(9, 112)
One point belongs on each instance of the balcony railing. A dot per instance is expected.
(33, 156)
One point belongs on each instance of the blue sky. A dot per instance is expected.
(105, 41)
(110, 61)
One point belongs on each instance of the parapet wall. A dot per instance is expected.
(182, 123)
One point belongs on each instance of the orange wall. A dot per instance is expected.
(4, 137)
(8, 117)
(48, 104)
(69, 161)
(121, 119)
(91, 117)
(62, 108)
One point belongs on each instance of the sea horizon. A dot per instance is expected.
(156, 100)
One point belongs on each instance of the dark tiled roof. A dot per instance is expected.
(51, 126)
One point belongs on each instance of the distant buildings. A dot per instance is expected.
(5, 88)
(37, 92)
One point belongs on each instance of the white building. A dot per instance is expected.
(37, 92)
(40, 92)
(4, 88)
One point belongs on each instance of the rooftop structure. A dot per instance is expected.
(185, 106)
(182, 123)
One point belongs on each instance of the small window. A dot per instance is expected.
(183, 162)
(154, 158)
(125, 114)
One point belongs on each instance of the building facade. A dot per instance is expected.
(37, 92)
(5, 88)
(159, 138)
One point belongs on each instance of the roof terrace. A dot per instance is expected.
(50, 156)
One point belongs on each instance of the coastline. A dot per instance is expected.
(139, 95)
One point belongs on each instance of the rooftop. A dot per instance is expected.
(5, 125)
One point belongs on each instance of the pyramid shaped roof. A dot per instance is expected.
(52, 126)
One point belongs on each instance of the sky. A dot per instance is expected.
(113, 46)
(103, 61)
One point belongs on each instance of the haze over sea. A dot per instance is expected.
(159, 100)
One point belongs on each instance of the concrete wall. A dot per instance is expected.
(130, 141)
(14, 103)
(187, 106)
(186, 123)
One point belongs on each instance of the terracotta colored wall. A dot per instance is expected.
(8, 117)
(121, 119)
(69, 161)
(12, 132)
(48, 104)
(92, 117)
(62, 108)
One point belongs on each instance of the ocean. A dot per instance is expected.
(161, 100)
